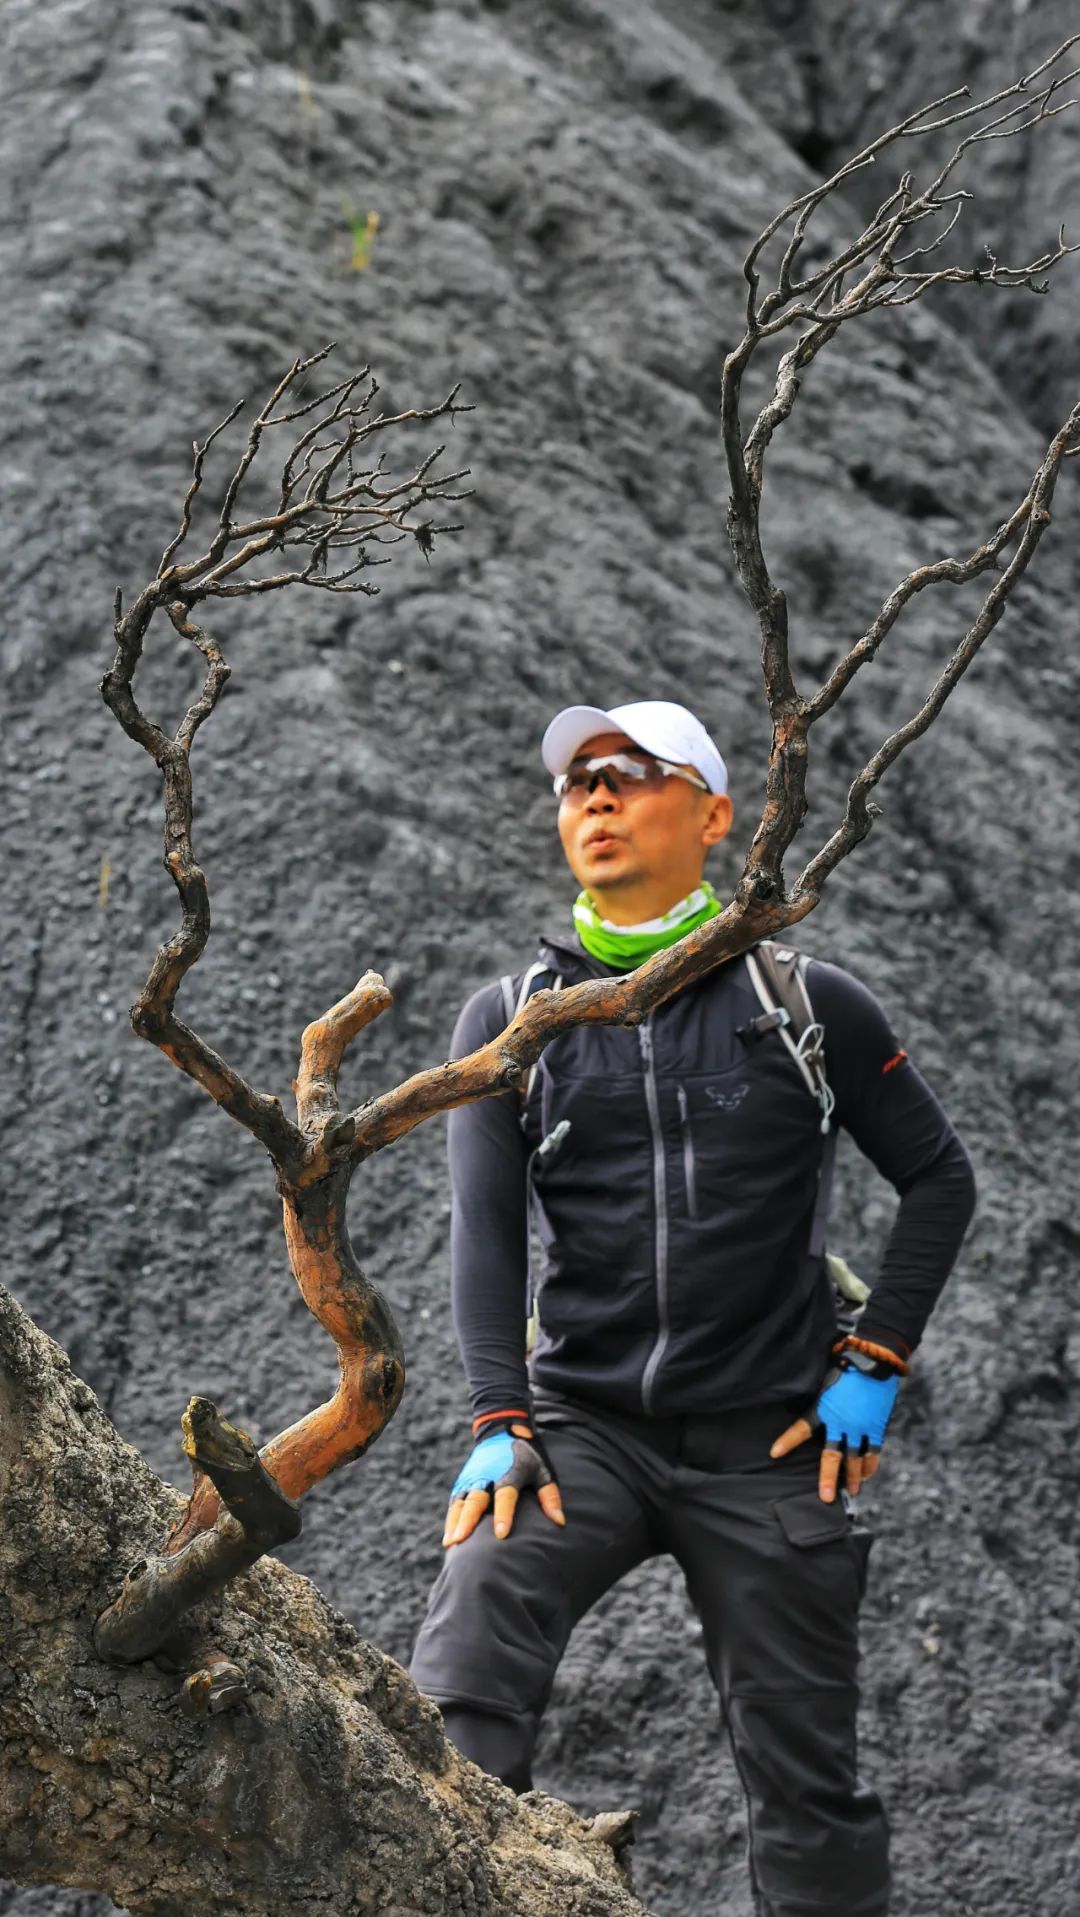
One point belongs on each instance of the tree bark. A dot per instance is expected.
(327, 1786)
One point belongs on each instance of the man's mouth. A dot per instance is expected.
(599, 841)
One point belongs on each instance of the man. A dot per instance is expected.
(684, 1374)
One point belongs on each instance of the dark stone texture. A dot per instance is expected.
(566, 191)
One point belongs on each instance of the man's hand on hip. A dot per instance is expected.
(507, 1459)
(854, 1407)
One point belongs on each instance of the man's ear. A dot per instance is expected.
(717, 821)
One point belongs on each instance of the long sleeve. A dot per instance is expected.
(885, 1104)
(489, 1226)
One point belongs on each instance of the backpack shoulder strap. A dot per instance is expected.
(538, 978)
(531, 981)
(778, 976)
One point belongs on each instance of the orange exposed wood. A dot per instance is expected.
(323, 1047)
(324, 1042)
(370, 1358)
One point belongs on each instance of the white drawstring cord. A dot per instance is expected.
(808, 1051)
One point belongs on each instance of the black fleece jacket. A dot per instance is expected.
(675, 1272)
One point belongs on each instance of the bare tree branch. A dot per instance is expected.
(322, 523)
(942, 571)
(1036, 517)
(152, 1015)
(323, 1047)
(882, 282)
(225, 570)
(200, 453)
(217, 674)
(371, 1361)
(504, 1063)
(913, 126)
(315, 514)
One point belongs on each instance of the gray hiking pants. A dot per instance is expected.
(775, 1577)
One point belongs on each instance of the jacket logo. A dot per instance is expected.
(726, 1101)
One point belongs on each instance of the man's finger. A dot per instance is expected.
(790, 1439)
(870, 1464)
(853, 1473)
(470, 1515)
(506, 1498)
(829, 1475)
(551, 1503)
(457, 1505)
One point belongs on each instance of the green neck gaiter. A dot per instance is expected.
(626, 946)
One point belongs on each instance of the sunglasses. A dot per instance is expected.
(621, 774)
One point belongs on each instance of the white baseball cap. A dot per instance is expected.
(666, 730)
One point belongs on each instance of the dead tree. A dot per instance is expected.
(333, 508)
(330, 1788)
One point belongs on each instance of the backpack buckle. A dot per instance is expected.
(774, 1021)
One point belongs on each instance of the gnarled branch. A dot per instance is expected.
(371, 1359)
(334, 506)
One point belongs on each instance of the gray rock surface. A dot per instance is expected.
(566, 191)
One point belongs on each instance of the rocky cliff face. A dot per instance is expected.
(565, 191)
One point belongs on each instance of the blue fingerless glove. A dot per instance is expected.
(500, 1459)
(857, 1402)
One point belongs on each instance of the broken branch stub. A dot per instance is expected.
(158, 1592)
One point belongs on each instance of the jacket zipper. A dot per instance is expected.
(652, 1100)
(689, 1169)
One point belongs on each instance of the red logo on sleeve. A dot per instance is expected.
(893, 1062)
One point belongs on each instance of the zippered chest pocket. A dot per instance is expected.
(745, 1137)
(686, 1132)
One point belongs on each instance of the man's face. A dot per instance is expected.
(615, 839)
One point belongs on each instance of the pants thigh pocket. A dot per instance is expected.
(810, 1524)
(806, 1519)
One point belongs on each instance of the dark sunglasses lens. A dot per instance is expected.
(618, 774)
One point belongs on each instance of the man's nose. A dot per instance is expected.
(601, 798)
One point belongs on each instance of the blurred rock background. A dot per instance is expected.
(565, 191)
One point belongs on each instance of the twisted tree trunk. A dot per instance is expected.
(327, 1786)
